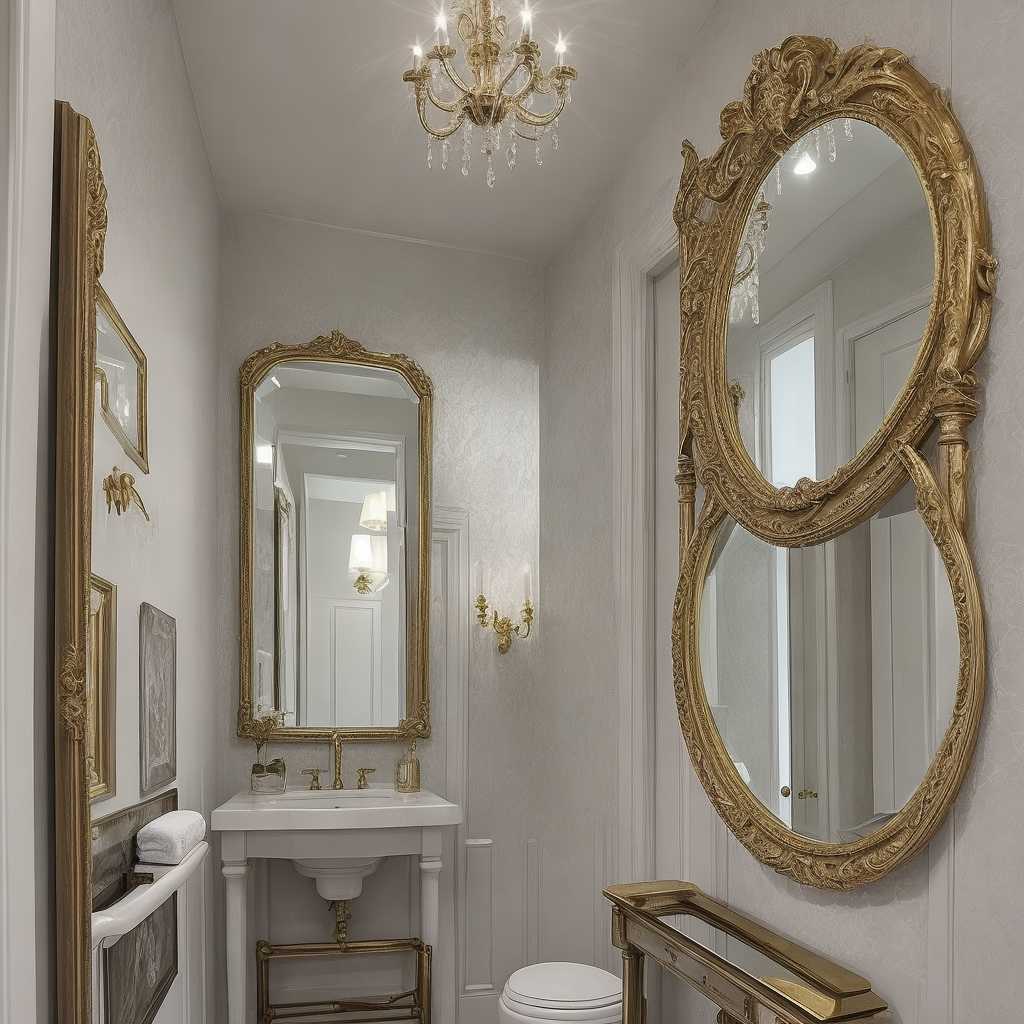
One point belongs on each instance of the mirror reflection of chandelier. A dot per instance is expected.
(746, 281)
(506, 80)
(804, 157)
(808, 152)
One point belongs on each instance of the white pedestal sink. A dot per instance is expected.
(335, 837)
(340, 878)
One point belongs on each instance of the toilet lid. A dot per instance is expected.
(564, 986)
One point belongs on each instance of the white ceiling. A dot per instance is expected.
(305, 115)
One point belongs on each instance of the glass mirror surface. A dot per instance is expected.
(831, 670)
(117, 377)
(830, 300)
(336, 453)
(745, 956)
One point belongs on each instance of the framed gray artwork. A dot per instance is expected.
(158, 649)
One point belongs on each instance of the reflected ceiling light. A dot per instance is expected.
(275, 382)
(805, 165)
(494, 88)
(264, 454)
(374, 515)
(368, 562)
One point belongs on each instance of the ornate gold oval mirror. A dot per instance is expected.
(835, 255)
(335, 540)
(836, 286)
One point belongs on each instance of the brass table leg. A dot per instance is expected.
(633, 1008)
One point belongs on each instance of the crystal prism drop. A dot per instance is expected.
(510, 155)
(430, 154)
(444, 155)
(491, 177)
(539, 158)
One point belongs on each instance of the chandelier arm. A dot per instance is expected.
(454, 123)
(448, 106)
(454, 77)
(539, 120)
(523, 63)
(524, 135)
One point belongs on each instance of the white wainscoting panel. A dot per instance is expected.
(478, 970)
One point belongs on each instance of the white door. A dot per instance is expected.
(345, 660)
(904, 577)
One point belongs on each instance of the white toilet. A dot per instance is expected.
(561, 992)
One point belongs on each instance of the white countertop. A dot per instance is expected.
(300, 808)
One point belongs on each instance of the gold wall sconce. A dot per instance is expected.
(503, 626)
(122, 494)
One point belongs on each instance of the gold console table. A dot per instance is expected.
(753, 974)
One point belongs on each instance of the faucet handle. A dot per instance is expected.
(315, 781)
(361, 781)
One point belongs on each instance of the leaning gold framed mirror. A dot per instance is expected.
(335, 541)
(79, 237)
(836, 288)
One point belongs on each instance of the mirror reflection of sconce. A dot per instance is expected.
(368, 562)
(502, 624)
(374, 515)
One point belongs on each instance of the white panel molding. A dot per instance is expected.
(531, 933)
(450, 535)
(940, 950)
(478, 967)
(636, 259)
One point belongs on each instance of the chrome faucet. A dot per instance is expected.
(339, 781)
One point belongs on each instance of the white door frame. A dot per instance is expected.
(636, 262)
(26, 505)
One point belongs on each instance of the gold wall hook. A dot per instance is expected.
(121, 493)
(502, 625)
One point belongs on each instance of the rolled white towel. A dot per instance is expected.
(169, 838)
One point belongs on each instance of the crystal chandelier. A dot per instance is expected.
(804, 157)
(506, 79)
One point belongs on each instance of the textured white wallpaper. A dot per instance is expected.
(119, 63)
(881, 931)
(475, 324)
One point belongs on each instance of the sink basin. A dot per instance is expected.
(324, 797)
(330, 809)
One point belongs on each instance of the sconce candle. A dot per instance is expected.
(502, 624)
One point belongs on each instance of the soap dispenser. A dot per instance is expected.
(407, 771)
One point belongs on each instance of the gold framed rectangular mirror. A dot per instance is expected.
(335, 470)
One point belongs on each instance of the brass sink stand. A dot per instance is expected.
(413, 1005)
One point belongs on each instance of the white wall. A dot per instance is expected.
(119, 62)
(475, 325)
(26, 501)
(895, 931)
